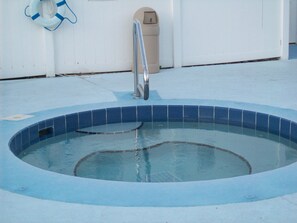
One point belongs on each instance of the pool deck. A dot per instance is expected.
(263, 85)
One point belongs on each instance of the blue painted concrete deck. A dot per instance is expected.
(264, 86)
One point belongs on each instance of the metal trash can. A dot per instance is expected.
(149, 21)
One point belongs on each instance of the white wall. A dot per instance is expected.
(22, 43)
(293, 21)
(102, 38)
(204, 31)
(218, 31)
(100, 41)
(1, 35)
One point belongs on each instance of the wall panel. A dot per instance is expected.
(22, 43)
(102, 39)
(212, 31)
(293, 21)
(218, 31)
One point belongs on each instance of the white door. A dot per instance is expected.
(216, 31)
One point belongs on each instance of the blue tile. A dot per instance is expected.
(159, 113)
(206, 113)
(84, 119)
(262, 122)
(285, 128)
(294, 132)
(18, 143)
(49, 122)
(274, 124)
(99, 117)
(59, 125)
(221, 115)
(114, 115)
(190, 113)
(175, 113)
(12, 144)
(25, 138)
(33, 131)
(71, 122)
(235, 117)
(249, 119)
(41, 125)
(144, 113)
(129, 114)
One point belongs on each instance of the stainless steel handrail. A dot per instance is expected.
(139, 90)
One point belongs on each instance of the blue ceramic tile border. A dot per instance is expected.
(175, 113)
(221, 115)
(190, 113)
(147, 113)
(144, 113)
(113, 115)
(206, 113)
(249, 119)
(72, 122)
(99, 117)
(129, 114)
(85, 119)
(235, 117)
(285, 128)
(262, 122)
(274, 124)
(59, 125)
(160, 113)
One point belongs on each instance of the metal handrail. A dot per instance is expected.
(139, 90)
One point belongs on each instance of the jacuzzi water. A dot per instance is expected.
(161, 152)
